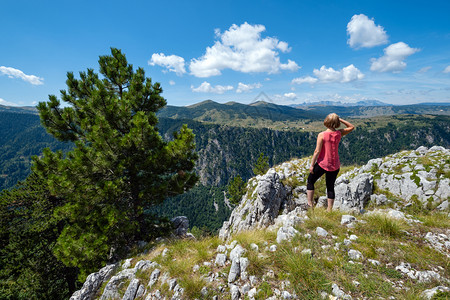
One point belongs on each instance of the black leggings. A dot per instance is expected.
(330, 179)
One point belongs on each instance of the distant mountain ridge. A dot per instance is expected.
(211, 111)
(19, 109)
(232, 112)
(339, 103)
(227, 113)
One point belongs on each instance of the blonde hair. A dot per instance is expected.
(332, 121)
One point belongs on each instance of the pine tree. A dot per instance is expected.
(236, 189)
(262, 165)
(120, 164)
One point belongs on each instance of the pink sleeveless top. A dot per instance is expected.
(329, 157)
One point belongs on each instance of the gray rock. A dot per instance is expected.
(143, 265)
(321, 232)
(337, 291)
(111, 290)
(379, 199)
(253, 280)
(355, 254)
(141, 291)
(178, 295)
(322, 202)
(273, 248)
(395, 214)
(289, 220)
(286, 295)
(286, 234)
(172, 284)
(260, 208)
(245, 288)
(443, 190)
(254, 247)
(221, 259)
(428, 294)
(231, 245)
(306, 252)
(252, 293)
(420, 276)
(374, 262)
(237, 252)
(437, 148)
(165, 252)
(181, 225)
(221, 249)
(440, 242)
(130, 293)
(422, 150)
(354, 193)
(127, 263)
(234, 290)
(154, 277)
(235, 270)
(243, 262)
(347, 219)
(93, 282)
(353, 237)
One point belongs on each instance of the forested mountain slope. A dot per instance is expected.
(21, 136)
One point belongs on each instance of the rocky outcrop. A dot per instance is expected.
(93, 282)
(279, 196)
(416, 174)
(354, 193)
(259, 207)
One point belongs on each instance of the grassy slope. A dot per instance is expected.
(386, 240)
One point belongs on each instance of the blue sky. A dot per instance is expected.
(292, 51)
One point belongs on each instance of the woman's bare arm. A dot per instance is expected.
(349, 127)
(316, 151)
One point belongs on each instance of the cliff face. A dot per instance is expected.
(388, 236)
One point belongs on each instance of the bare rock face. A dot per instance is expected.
(416, 174)
(353, 193)
(181, 225)
(93, 282)
(259, 207)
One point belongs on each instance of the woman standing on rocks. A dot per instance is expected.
(326, 158)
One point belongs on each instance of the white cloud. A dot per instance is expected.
(364, 33)
(305, 79)
(291, 96)
(172, 82)
(290, 66)
(241, 48)
(4, 102)
(446, 70)
(15, 73)
(206, 87)
(172, 63)
(393, 58)
(242, 88)
(424, 69)
(347, 74)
